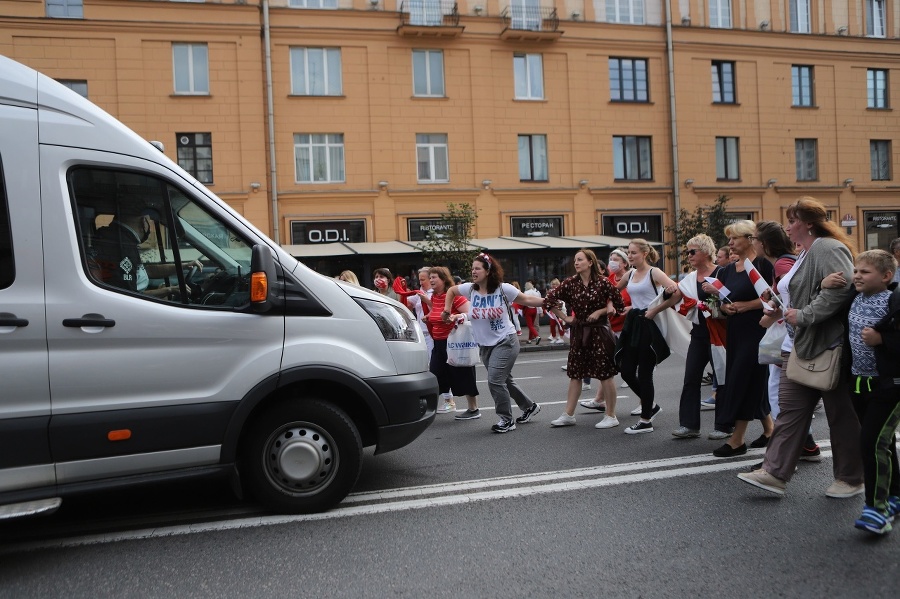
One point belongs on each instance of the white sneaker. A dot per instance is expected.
(636, 411)
(563, 367)
(623, 386)
(558, 341)
(585, 386)
(563, 420)
(448, 407)
(593, 404)
(607, 422)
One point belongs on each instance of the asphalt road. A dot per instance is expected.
(462, 512)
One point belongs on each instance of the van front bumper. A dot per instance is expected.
(410, 401)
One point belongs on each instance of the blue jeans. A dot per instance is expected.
(499, 360)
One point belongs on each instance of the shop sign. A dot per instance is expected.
(536, 226)
(418, 229)
(310, 232)
(647, 226)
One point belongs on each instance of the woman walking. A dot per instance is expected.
(532, 314)
(814, 317)
(700, 251)
(452, 380)
(490, 314)
(636, 351)
(588, 294)
(743, 396)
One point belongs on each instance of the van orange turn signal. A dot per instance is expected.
(119, 435)
(259, 287)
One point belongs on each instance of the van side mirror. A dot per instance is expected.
(262, 278)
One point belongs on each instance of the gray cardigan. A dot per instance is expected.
(819, 324)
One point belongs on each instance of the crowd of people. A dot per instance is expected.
(835, 314)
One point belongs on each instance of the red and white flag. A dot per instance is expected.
(758, 282)
(723, 290)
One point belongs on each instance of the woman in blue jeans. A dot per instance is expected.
(491, 317)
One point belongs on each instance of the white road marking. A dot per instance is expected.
(411, 498)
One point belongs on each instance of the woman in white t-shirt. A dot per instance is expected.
(489, 312)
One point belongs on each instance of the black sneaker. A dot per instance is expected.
(504, 426)
(656, 410)
(468, 415)
(706, 380)
(639, 427)
(528, 413)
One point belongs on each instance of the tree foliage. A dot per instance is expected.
(450, 246)
(704, 219)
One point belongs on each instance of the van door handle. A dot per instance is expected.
(11, 320)
(89, 320)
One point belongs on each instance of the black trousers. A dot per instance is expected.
(879, 414)
(698, 357)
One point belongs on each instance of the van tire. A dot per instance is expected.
(302, 456)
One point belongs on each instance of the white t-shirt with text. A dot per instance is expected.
(489, 314)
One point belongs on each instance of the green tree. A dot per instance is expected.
(450, 246)
(704, 219)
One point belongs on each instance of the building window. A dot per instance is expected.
(525, 14)
(632, 159)
(428, 73)
(728, 164)
(877, 88)
(807, 156)
(875, 18)
(77, 86)
(191, 66)
(799, 16)
(802, 83)
(528, 70)
(432, 158)
(625, 11)
(313, 4)
(65, 9)
(195, 155)
(880, 151)
(533, 158)
(723, 82)
(628, 79)
(720, 14)
(316, 72)
(319, 157)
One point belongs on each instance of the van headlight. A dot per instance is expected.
(396, 322)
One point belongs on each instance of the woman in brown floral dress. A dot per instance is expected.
(588, 294)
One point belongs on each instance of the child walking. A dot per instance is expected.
(874, 329)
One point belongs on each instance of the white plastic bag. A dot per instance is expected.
(770, 346)
(461, 347)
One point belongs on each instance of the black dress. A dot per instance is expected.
(743, 397)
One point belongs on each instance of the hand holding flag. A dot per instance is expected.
(759, 284)
(722, 289)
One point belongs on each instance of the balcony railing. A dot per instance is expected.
(415, 14)
(531, 18)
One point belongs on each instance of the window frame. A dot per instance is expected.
(630, 12)
(798, 22)
(718, 16)
(876, 20)
(327, 148)
(621, 81)
(305, 4)
(67, 9)
(430, 93)
(432, 148)
(528, 60)
(192, 76)
(801, 166)
(642, 145)
(534, 158)
(299, 64)
(728, 158)
(720, 84)
(873, 98)
(885, 147)
(192, 145)
(803, 96)
(75, 85)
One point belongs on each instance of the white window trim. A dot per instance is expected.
(329, 168)
(875, 14)
(429, 75)
(528, 58)
(190, 67)
(720, 14)
(633, 13)
(302, 52)
(804, 17)
(432, 159)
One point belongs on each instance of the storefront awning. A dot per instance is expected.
(317, 250)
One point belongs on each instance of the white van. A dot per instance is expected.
(148, 332)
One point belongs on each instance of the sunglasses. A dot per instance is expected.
(690, 252)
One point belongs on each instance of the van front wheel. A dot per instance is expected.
(302, 457)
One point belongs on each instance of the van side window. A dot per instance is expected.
(7, 265)
(143, 236)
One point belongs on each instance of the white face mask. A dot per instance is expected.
(613, 266)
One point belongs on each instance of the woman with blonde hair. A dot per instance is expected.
(742, 398)
(639, 347)
(348, 276)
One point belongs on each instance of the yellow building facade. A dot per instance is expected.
(345, 127)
